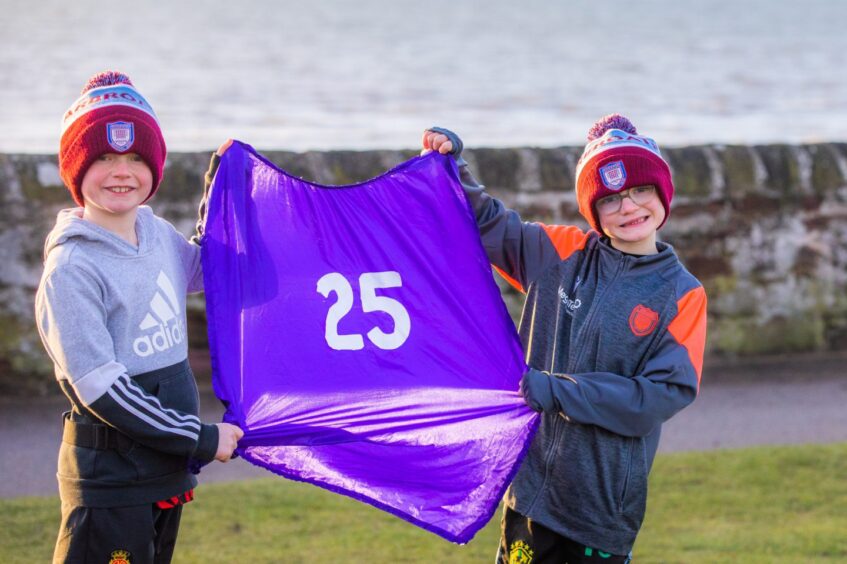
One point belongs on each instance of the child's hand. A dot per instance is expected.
(435, 141)
(222, 149)
(228, 436)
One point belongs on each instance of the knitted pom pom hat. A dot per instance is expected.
(110, 116)
(616, 158)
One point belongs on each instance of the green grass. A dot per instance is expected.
(768, 505)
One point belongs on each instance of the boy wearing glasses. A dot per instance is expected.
(614, 330)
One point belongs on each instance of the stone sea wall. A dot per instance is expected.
(764, 228)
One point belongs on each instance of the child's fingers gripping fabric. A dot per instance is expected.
(453, 137)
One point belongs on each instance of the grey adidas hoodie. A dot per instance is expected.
(111, 314)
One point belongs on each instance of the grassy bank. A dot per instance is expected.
(768, 505)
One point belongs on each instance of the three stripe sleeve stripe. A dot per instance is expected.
(157, 419)
(151, 404)
(152, 422)
(153, 407)
(146, 398)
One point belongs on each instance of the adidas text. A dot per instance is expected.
(161, 340)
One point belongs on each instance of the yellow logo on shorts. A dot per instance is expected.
(520, 553)
(120, 557)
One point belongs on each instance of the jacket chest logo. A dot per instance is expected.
(164, 319)
(571, 304)
(643, 320)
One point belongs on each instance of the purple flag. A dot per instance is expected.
(358, 338)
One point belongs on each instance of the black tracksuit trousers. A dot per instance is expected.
(140, 534)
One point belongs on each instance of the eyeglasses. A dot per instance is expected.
(640, 195)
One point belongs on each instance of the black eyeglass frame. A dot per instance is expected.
(639, 195)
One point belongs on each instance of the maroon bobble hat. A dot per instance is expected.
(615, 159)
(111, 116)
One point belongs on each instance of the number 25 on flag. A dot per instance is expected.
(369, 282)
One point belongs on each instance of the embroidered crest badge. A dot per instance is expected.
(120, 557)
(643, 320)
(613, 175)
(120, 135)
(520, 553)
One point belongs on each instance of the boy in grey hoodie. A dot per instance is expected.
(110, 309)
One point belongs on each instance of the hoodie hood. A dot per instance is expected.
(71, 227)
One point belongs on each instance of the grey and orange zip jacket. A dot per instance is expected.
(622, 339)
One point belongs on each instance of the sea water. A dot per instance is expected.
(363, 74)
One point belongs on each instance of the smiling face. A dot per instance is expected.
(631, 218)
(115, 185)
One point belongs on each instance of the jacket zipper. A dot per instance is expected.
(628, 476)
(589, 318)
(558, 424)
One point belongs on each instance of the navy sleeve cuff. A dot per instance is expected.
(537, 390)
(207, 444)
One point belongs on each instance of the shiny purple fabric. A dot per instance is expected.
(421, 417)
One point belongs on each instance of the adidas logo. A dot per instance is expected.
(164, 316)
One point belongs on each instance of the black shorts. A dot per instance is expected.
(140, 534)
(523, 541)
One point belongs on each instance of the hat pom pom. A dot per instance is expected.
(611, 121)
(106, 78)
